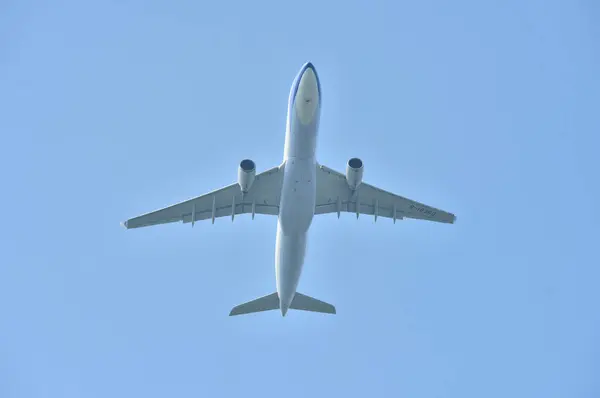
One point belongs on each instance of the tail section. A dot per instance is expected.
(265, 303)
(271, 302)
(305, 303)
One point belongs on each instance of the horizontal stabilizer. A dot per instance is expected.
(265, 303)
(306, 303)
(271, 302)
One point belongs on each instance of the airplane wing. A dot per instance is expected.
(262, 198)
(335, 196)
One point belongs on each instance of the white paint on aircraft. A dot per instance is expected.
(295, 192)
(307, 98)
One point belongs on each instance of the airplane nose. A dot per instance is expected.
(309, 71)
(308, 83)
(307, 96)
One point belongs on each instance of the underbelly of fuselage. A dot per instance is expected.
(296, 212)
(298, 196)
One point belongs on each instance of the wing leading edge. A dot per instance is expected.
(335, 196)
(262, 198)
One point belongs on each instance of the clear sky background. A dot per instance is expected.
(485, 109)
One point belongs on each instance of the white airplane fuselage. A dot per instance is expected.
(291, 192)
(298, 194)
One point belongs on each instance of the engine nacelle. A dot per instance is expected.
(354, 173)
(246, 174)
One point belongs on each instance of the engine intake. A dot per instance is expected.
(246, 174)
(354, 173)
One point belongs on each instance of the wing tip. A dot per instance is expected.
(124, 224)
(235, 311)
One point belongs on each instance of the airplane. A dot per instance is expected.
(294, 191)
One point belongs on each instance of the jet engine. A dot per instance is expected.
(354, 173)
(246, 174)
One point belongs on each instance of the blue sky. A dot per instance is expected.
(485, 109)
